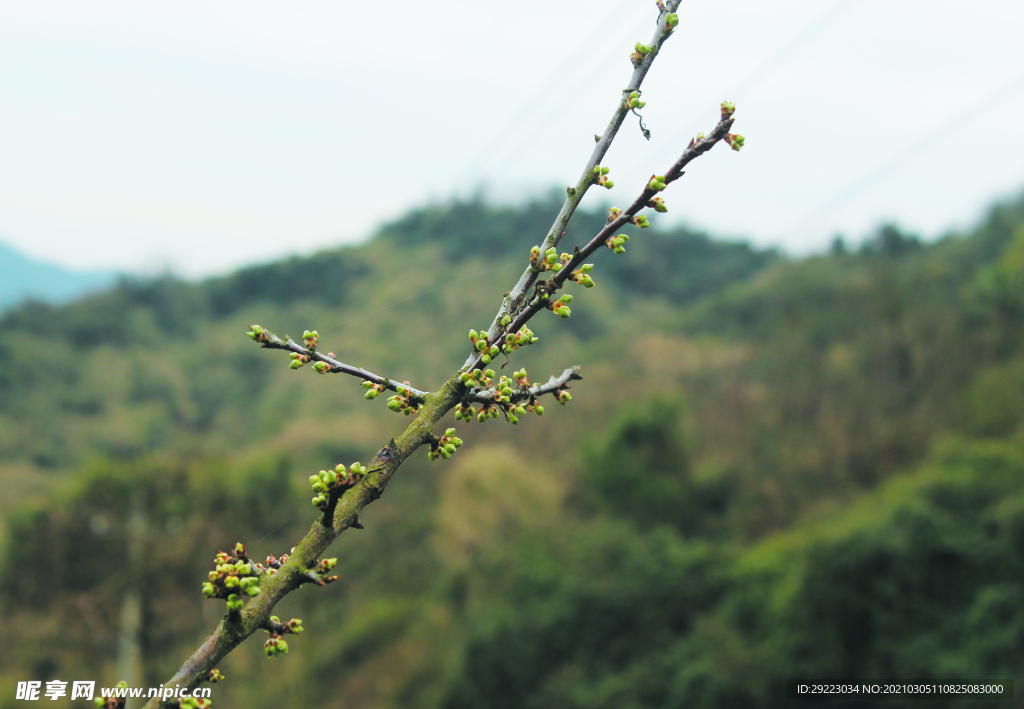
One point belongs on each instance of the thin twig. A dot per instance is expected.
(696, 149)
(486, 396)
(519, 293)
(274, 342)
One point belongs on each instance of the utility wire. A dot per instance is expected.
(903, 158)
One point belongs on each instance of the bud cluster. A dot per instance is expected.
(640, 52)
(616, 243)
(339, 479)
(319, 575)
(582, 275)
(633, 100)
(551, 261)
(258, 334)
(513, 341)
(214, 676)
(728, 108)
(403, 402)
(273, 564)
(657, 183)
(671, 20)
(234, 576)
(477, 378)
(562, 396)
(613, 213)
(298, 360)
(658, 205)
(112, 702)
(600, 177)
(444, 446)
(735, 140)
(481, 343)
(195, 703)
(560, 307)
(310, 339)
(641, 221)
(372, 389)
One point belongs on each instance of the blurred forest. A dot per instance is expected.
(775, 468)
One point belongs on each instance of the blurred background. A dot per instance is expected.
(799, 448)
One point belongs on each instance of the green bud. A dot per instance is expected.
(456, 441)
(208, 590)
(566, 298)
(489, 373)
(450, 448)
(443, 452)
(295, 364)
(473, 334)
(609, 184)
(449, 432)
(506, 320)
(371, 394)
(564, 313)
(486, 359)
(636, 94)
(252, 591)
(431, 456)
(556, 267)
(367, 384)
(672, 19)
(586, 268)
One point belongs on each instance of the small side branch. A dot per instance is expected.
(552, 386)
(519, 294)
(271, 341)
(616, 221)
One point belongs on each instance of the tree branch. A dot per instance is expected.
(519, 293)
(487, 396)
(256, 614)
(694, 150)
(273, 342)
(345, 502)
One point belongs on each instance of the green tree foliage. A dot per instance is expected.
(781, 468)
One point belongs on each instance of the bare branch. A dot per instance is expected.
(694, 150)
(554, 384)
(273, 342)
(519, 293)
(234, 628)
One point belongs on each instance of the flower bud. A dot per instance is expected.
(295, 364)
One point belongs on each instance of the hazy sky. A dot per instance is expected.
(199, 136)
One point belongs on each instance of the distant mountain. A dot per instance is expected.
(22, 278)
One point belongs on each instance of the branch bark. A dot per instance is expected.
(519, 293)
(531, 308)
(273, 342)
(255, 615)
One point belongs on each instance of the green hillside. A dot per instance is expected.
(773, 469)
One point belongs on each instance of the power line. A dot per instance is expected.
(903, 158)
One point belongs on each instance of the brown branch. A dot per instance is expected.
(273, 342)
(255, 615)
(516, 297)
(695, 150)
(486, 396)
